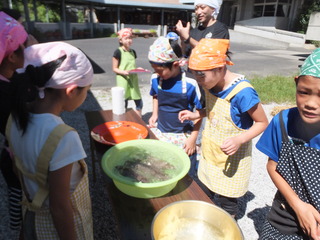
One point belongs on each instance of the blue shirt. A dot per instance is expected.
(240, 104)
(271, 140)
(174, 85)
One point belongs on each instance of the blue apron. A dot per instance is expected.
(170, 104)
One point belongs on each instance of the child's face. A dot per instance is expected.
(209, 78)
(126, 41)
(308, 98)
(164, 72)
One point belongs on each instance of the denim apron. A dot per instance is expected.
(170, 104)
(169, 128)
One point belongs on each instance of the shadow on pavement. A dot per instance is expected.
(104, 225)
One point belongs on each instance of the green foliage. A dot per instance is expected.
(275, 89)
(308, 7)
(48, 13)
(316, 43)
(80, 16)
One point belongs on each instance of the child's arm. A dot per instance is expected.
(60, 203)
(154, 117)
(188, 115)
(115, 67)
(308, 216)
(231, 145)
(190, 143)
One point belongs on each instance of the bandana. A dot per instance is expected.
(209, 54)
(161, 51)
(76, 69)
(211, 3)
(12, 35)
(173, 36)
(311, 65)
(125, 32)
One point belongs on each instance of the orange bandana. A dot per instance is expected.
(209, 54)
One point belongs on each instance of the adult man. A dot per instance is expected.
(208, 27)
(206, 12)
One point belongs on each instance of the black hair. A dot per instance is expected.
(176, 49)
(228, 53)
(27, 86)
(12, 13)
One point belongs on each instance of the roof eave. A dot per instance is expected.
(143, 4)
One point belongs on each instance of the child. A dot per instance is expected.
(124, 60)
(234, 117)
(18, 17)
(173, 92)
(291, 142)
(49, 154)
(12, 40)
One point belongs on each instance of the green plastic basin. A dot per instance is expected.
(120, 153)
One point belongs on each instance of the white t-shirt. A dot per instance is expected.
(28, 146)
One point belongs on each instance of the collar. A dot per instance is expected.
(2, 78)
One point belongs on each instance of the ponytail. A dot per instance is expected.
(27, 87)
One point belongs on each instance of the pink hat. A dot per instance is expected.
(125, 32)
(76, 69)
(12, 35)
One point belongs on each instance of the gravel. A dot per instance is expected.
(253, 206)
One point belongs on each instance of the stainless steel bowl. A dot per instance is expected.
(196, 220)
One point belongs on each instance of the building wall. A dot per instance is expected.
(239, 10)
(160, 1)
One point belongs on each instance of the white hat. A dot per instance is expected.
(211, 3)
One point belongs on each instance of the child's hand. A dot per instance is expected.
(189, 146)
(152, 121)
(187, 115)
(231, 145)
(309, 218)
(124, 73)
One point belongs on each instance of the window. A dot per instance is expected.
(271, 8)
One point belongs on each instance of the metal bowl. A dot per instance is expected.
(196, 220)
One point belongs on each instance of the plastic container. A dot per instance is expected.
(122, 152)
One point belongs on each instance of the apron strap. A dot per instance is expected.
(42, 167)
(183, 82)
(43, 161)
(237, 89)
(284, 134)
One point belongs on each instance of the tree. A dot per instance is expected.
(309, 7)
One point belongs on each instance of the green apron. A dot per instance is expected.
(130, 82)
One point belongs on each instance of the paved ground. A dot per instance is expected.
(248, 59)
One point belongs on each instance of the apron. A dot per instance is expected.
(296, 164)
(223, 174)
(80, 198)
(130, 82)
(169, 128)
(170, 104)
